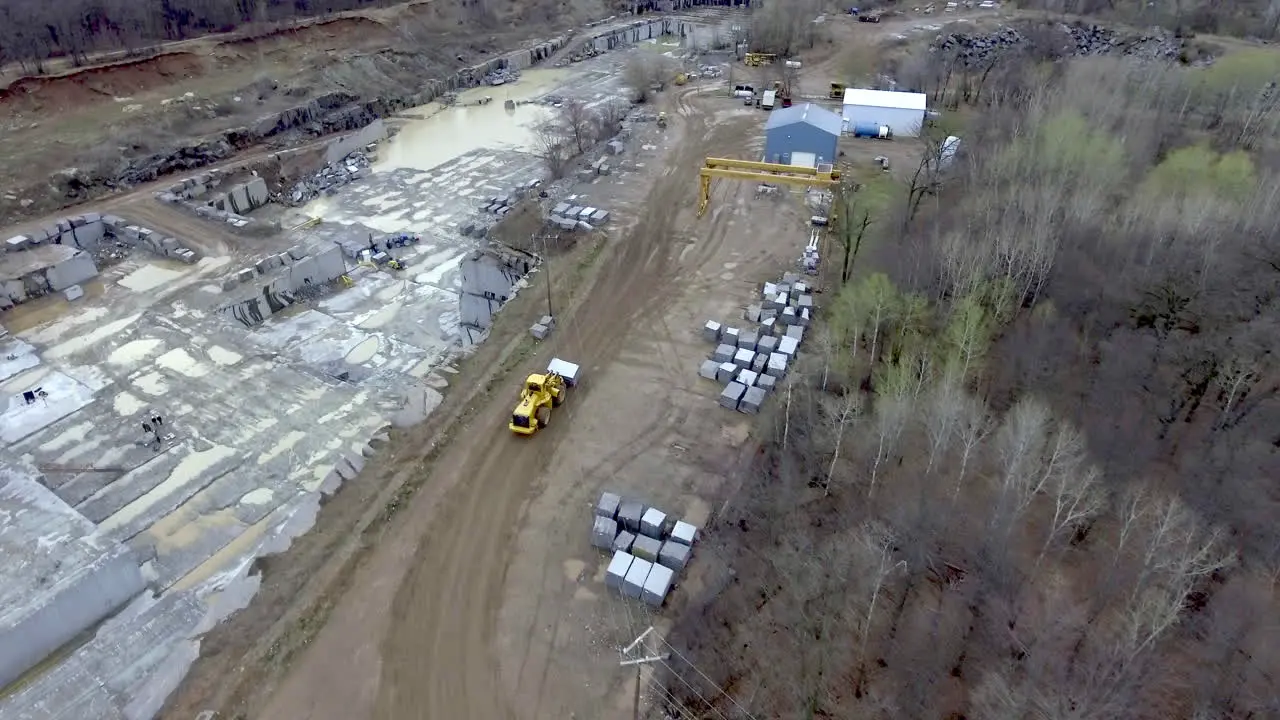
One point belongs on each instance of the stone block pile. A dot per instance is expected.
(567, 216)
(750, 361)
(501, 76)
(649, 547)
(196, 195)
(1074, 39)
(149, 239)
(329, 178)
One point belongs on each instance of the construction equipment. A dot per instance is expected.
(769, 99)
(759, 59)
(662, 120)
(870, 18)
(541, 393)
(822, 176)
(681, 78)
(837, 91)
(379, 259)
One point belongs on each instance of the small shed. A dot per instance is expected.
(902, 112)
(801, 135)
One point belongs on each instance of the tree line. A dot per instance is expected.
(1025, 470)
(32, 31)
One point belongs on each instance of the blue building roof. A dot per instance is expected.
(809, 114)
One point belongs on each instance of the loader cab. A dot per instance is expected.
(534, 383)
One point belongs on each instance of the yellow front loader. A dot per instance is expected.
(541, 393)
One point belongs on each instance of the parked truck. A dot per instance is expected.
(769, 99)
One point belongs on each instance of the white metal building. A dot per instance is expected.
(902, 112)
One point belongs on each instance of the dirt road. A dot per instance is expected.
(444, 617)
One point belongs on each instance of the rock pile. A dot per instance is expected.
(1077, 39)
(328, 179)
(501, 76)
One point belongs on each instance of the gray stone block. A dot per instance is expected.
(748, 339)
(711, 331)
(805, 302)
(760, 362)
(539, 331)
(753, 313)
(768, 326)
(629, 514)
(804, 317)
(797, 332)
(752, 399)
(683, 532)
(651, 523)
(788, 346)
(674, 555)
(747, 377)
(657, 585)
(646, 547)
(744, 357)
(730, 336)
(245, 275)
(725, 372)
(616, 575)
(603, 532)
(777, 366)
(633, 584)
(560, 209)
(732, 394)
(608, 504)
(767, 382)
(708, 369)
(788, 316)
(767, 344)
(623, 541)
(724, 353)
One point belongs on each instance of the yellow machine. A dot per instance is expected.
(541, 393)
(821, 176)
(758, 59)
(681, 79)
(837, 91)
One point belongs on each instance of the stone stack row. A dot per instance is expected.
(649, 547)
(751, 361)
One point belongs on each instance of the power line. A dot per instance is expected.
(713, 684)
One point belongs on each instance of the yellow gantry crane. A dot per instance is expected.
(822, 176)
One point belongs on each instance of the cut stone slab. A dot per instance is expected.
(652, 522)
(603, 532)
(711, 331)
(607, 506)
(708, 369)
(748, 339)
(75, 292)
(805, 302)
(768, 326)
(761, 361)
(767, 344)
(685, 533)
(751, 401)
(726, 371)
(539, 331)
(646, 547)
(724, 353)
(637, 574)
(657, 585)
(674, 555)
(804, 317)
(730, 336)
(616, 575)
(744, 357)
(770, 290)
(767, 383)
(795, 331)
(623, 541)
(629, 514)
(732, 393)
(788, 316)
(747, 377)
(753, 313)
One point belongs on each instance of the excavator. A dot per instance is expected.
(541, 393)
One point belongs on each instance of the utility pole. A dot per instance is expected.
(546, 266)
(639, 664)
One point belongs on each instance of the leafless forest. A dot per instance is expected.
(1032, 471)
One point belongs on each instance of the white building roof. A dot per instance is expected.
(885, 99)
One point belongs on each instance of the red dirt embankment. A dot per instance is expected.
(98, 84)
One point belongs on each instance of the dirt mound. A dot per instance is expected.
(98, 84)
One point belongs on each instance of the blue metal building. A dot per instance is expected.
(802, 135)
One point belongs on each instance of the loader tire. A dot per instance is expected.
(543, 415)
(558, 400)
